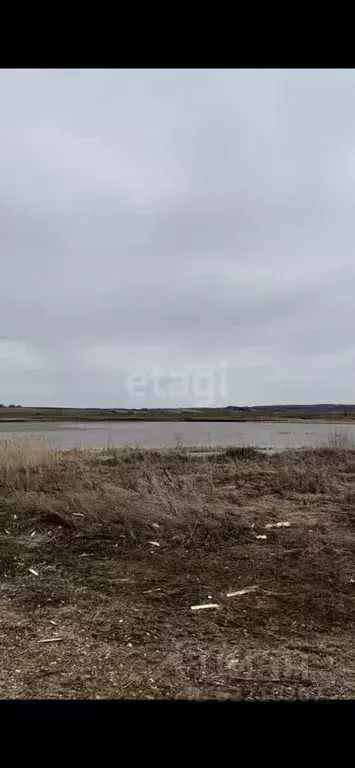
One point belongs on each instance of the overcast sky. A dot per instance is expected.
(171, 221)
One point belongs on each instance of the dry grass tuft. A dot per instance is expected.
(24, 460)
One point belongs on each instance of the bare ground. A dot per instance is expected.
(103, 553)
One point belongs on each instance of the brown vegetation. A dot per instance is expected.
(319, 413)
(103, 553)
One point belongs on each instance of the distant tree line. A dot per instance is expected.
(11, 405)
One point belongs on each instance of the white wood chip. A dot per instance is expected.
(281, 524)
(241, 591)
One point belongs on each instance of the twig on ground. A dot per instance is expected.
(244, 591)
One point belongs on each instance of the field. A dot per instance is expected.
(104, 555)
(335, 413)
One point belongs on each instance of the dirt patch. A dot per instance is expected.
(103, 553)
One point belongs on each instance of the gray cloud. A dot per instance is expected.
(177, 218)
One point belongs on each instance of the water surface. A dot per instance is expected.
(160, 434)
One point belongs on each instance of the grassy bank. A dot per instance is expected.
(104, 553)
(332, 413)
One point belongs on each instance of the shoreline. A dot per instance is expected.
(166, 420)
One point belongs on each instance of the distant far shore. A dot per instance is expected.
(323, 413)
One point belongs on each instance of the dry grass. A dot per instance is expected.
(84, 522)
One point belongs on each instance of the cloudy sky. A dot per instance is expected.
(167, 221)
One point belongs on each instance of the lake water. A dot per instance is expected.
(159, 434)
